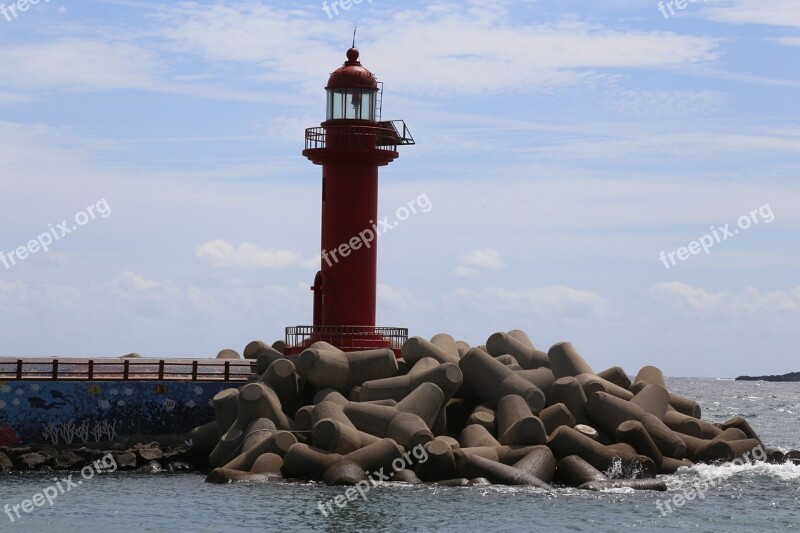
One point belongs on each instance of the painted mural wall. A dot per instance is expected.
(75, 412)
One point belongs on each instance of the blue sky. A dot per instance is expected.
(563, 145)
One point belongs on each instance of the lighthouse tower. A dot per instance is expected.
(350, 146)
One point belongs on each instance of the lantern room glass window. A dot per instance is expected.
(352, 104)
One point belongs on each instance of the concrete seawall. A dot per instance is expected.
(72, 411)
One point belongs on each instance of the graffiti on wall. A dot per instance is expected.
(64, 412)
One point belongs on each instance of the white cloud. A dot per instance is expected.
(751, 304)
(472, 262)
(494, 53)
(466, 272)
(789, 41)
(539, 301)
(222, 254)
(78, 64)
(768, 12)
(483, 258)
(13, 99)
(658, 103)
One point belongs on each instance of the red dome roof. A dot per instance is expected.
(352, 75)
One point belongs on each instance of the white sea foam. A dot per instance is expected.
(722, 473)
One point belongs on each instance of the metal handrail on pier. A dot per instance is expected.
(68, 369)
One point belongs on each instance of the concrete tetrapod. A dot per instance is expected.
(566, 441)
(333, 436)
(696, 448)
(441, 463)
(685, 405)
(492, 380)
(516, 424)
(307, 462)
(617, 376)
(508, 455)
(484, 416)
(226, 406)
(377, 456)
(255, 401)
(592, 383)
(343, 371)
(373, 460)
(302, 418)
(670, 465)
(227, 353)
(527, 356)
(204, 438)
(446, 376)
(690, 425)
(565, 361)
(651, 375)
(426, 401)
(509, 361)
(541, 377)
(446, 343)
(474, 466)
(668, 442)
(743, 425)
(281, 376)
(277, 442)
(268, 463)
(608, 411)
(522, 337)
(693, 445)
(262, 353)
(540, 463)
(416, 348)
(343, 472)
(279, 346)
(555, 416)
(727, 451)
(568, 391)
(653, 399)
(474, 436)
(574, 471)
(632, 432)
(406, 429)
(463, 348)
(333, 431)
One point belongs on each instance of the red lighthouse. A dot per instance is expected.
(350, 146)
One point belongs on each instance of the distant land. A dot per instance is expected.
(791, 376)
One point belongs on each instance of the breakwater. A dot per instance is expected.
(501, 413)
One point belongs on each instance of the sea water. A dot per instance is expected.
(758, 497)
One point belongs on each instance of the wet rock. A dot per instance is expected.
(125, 460)
(30, 461)
(68, 460)
(5, 462)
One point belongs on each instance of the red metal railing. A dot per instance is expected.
(348, 338)
(385, 136)
(126, 369)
